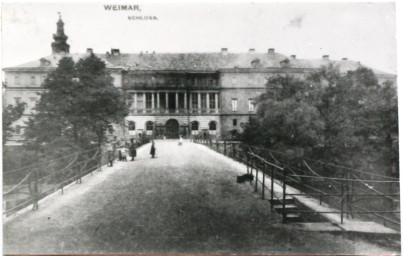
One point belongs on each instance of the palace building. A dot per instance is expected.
(172, 94)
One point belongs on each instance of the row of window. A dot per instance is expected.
(252, 80)
(194, 126)
(251, 105)
(195, 81)
(33, 80)
(194, 98)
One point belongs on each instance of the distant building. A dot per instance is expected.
(192, 94)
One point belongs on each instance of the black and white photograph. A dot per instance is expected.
(201, 127)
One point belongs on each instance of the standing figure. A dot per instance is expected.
(132, 150)
(180, 140)
(120, 155)
(152, 151)
(110, 155)
(124, 154)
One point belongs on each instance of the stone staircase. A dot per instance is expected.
(291, 208)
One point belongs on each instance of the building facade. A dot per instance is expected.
(171, 94)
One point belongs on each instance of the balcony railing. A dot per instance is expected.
(169, 85)
(174, 111)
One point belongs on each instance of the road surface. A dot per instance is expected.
(184, 201)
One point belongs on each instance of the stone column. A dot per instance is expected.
(176, 102)
(158, 101)
(135, 102)
(199, 102)
(185, 100)
(216, 102)
(152, 102)
(166, 102)
(208, 102)
(144, 102)
(190, 101)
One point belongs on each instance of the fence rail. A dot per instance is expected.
(40, 180)
(341, 188)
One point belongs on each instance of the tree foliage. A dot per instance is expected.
(348, 118)
(11, 114)
(78, 104)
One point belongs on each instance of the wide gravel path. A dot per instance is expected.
(184, 201)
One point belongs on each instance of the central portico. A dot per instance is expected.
(169, 104)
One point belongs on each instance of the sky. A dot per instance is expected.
(364, 32)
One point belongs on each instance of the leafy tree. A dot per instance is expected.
(11, 114)
(349, 117)
(286, 117)
(78, 104)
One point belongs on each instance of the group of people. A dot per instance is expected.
(123, 151)
(131, 151)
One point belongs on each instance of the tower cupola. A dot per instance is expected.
(59, 45)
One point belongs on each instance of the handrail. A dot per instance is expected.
(37, 183)
(346, 182)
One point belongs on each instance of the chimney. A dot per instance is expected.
(115, 51)
(89, 50)
(224, 51)
(325, 57)
(271, 51)
(344, 59)
(251, 50)
(293, 57)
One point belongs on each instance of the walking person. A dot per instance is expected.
(132, 150)
(152, 151)
(180, 140)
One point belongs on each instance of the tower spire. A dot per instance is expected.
(59, 45)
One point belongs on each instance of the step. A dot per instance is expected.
(288, 207)
(288, 200)
(293, 217)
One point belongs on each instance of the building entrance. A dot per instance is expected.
(172, 129)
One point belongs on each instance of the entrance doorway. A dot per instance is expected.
(172, 129)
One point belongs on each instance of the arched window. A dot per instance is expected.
(132, 126)
(149, 128)
(195, 127)
(212, 126)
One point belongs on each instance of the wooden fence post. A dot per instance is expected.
(272, 187)
(247, 163)
(257, 172)
(284, 195)
(264, 178)
(36, 195)
(342, 200)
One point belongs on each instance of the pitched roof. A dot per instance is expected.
(192, 61)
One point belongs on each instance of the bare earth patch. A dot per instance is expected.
(184, 201)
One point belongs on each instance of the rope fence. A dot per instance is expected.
(43, 179)
(342, 187)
